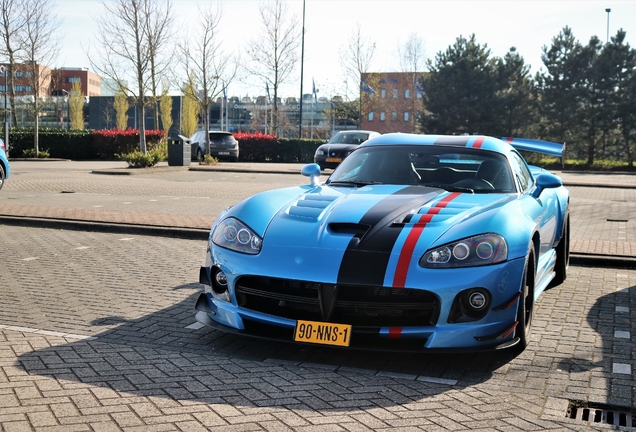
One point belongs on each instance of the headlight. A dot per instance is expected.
(235, 235)
(320, 152)
(483, 249)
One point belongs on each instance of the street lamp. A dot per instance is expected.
(68, 108)
(608, 10)
(3, 69)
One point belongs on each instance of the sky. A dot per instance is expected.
(502, 24)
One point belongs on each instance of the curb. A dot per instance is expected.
(114, 228)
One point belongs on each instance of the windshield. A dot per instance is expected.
(451, 168)
(349, 138)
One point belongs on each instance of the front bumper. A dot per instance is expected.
(494, 331)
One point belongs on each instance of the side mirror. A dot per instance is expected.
(546, 181)
(312, 171)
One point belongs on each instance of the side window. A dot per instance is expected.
(522, 174)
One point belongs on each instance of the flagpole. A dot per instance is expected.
(302, 60)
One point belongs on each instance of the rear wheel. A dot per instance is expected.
(562, 254)
(526, 302)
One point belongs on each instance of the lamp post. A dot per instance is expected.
(3, 69)
(608, 10)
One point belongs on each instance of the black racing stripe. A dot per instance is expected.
(458, 141)
(365, 260)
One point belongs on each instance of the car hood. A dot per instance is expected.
(338, 147)
(314, 216)
(314, 229)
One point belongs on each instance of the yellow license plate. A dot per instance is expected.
(322, 333)
(334, 159)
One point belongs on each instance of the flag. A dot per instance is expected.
(267, 89)
(224, 93)
(314, 90)
(367, 88)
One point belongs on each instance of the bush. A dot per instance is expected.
(208, 160)
(30, 153)
(137, 159)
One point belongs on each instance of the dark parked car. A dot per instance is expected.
(330, 155)
(223, 145)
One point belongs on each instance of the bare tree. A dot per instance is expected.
(207, 64)
(12, 26)
(412, 54)
(39, 42)
(355, 59)
(127, 39)
(274, 54)
(412, 59)
(159, 36)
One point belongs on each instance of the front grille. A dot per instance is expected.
(370, 306)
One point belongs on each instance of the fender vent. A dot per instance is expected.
(601, 414)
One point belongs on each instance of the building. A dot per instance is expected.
(23, 79)
(390, 102)
(62, 81)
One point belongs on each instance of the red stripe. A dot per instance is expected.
(406, 254)
(395, 332)
(478, 142)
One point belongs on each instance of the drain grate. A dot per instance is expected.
(618, 220)
(599, 413)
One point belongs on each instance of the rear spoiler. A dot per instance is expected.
(538, 146)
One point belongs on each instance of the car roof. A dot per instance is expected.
(470, 141)
(358, 131)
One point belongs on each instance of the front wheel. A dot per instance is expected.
(2, 176)
(526, 302)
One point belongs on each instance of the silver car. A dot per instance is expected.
(223, 145)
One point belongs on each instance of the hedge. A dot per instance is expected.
(259, 147)
(104, 144)
(81, 144)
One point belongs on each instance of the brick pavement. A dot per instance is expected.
(96, 333)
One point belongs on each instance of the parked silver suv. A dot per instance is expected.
(223, 145)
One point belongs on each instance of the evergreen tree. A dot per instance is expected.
(459, 90)
(515, 107)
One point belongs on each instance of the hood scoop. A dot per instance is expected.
(311, 206)
(357, 229)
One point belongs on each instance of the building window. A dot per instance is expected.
(2, 88)
(27, 89)
(382, 93)
(18, 88)
(395, 93)
(394, 116)
(419, 95)
(75, 79)
(407, 94)
(382, 116)
(19, 74)
(371, 116)
(406, 116)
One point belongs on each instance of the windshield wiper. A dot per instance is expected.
(451, 188)
(354, 183)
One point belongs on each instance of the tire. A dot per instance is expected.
(2, 176)
(525, 311)
(562, 254)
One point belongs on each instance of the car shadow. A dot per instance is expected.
(611, 317)
(166, 354)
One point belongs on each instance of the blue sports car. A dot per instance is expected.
(415, 242)
(5, 168)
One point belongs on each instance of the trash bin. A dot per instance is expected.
(178, 152)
